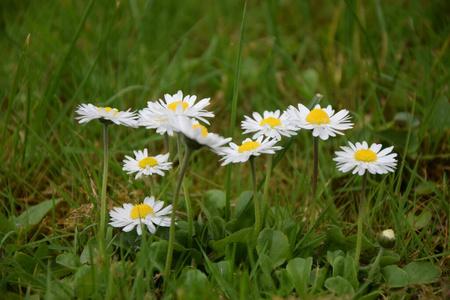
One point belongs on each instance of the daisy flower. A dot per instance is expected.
(361, 157)
(149, 213)
(249, 147)
(322, 121)
(196, 134)
(157, 114)
(89, 112)
(271, 124)
(146, 165)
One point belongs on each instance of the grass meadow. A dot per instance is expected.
(387, 62)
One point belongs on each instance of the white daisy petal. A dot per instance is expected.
(149, 213)
(272, 125)
(89, 112)
(145, 165)
(360, 157)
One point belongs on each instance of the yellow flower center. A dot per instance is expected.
(204, 130)
(318, 116)
(270, 121)
(141, 211)
(173, 105)
(148, 161)
(247, 146)
(365, 155)
(108, 109)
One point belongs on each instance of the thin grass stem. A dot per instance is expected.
(172, 224)
(362, 208)
(313, 201)
(267, 180)
(256, 202)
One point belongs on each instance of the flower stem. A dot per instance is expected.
(314, 182)
(267, 181)
(172, 223)
(255, 201)
(373, 270)
(362, 208)
(103, 207)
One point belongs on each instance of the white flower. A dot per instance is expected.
(271, 124)
(322, 121)
(149, 213)
(157, 114)
(249, 147)
(197, 133)
(146, 165)
(89, 112)
(361, 158)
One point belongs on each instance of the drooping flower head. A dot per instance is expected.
(197, 135)
(249, 147)
(89, 112)
(271, 125)
(360, 157)
(157, 114)
(149, 213)
(143, 164)
(322, 121)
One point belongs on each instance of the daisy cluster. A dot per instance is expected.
(188, 117)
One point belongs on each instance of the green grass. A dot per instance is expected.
(385, 62)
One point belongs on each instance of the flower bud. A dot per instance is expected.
(387, 239)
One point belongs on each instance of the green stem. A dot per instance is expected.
(373, 270)
(267, 181)
(314, 182)
(362, 208)
(172, 224)
(103, 206)
(186, 193)
(167, 142)
(152, 185)
(255, 201)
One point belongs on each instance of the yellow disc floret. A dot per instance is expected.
(141, 211)
(270, 121)
(173, 105)
(108, 109)
(318, 116)
(204, 130)
(148, 161)
(365, 155)
(247, 146)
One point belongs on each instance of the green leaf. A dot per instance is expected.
(300, 270)
(241, 236)
(216, 228)
(90, 251)
(344, 267)
(158, 254)
(68, 260)
(34, 214)
(215, 202)
(395, 277)
(275, 244)
(419, 222)
(339, 286)
(193, 285)
(422, 272)
(388, 258)
(286, 285)
(372, 296)
(27, 262)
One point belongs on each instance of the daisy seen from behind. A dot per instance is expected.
(143, 164)
(157, 114)
(89, 112)
(248, 148)
(197, 135)
(149, 213)
(360, 157)
(270, 124)
(322, 121)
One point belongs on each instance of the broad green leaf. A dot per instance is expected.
(27, 262)
(422, 272)
(216, 228)
(68, 260)
(395, 277)
(214, 201)
(241, 236)
(339, 286)
(193, 285)
(158, 254)
(300, 270)
(90, 252)
(344, 267)
(34, 214)
(286, 285)
(275, 244)
(372, 295)
(419, 222)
